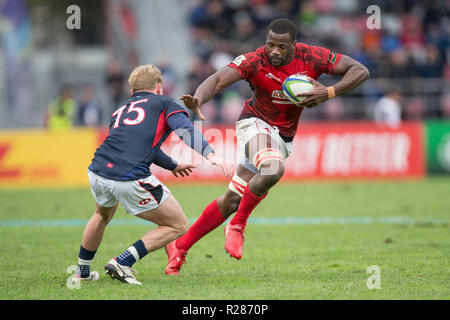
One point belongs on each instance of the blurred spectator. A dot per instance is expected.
(412, 31)
(169, 82)
(445, 106)
(397, 65)
(115, 79)
(232, 106)
(333, 109)
(415, 108)
(243, 35)
(89, 111)
(388, 110)
(60, 113)
(431, 66)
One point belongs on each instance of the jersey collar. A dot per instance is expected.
(141, 93)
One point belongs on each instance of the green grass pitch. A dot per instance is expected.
(337, 230)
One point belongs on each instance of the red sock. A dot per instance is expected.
(249, 202)
(210, 219)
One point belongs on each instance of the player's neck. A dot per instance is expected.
(149, 91)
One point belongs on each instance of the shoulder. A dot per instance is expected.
(173, 106)
(303, 49)
(249, 63)
(253, 57)
(171, 102)
(319, 57)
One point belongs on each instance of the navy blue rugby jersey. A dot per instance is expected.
(136, 133)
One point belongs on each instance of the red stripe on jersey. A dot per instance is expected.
(161, 128)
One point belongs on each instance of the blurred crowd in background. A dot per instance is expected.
(408, 57)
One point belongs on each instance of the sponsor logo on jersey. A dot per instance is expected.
(279, 97)
(271, 76)
(278, 94)
(239, 60)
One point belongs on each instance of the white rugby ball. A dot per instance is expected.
(296, 85)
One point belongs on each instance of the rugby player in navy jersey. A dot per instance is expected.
(119, 173)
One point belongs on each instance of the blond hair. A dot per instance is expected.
(144, 77)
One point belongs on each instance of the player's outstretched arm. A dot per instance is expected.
(162, 160)
(180, 124)
(208, 88)
(353, 74)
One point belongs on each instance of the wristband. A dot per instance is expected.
(331, 92)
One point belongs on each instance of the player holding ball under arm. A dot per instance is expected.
(266, 126)
(119, 173)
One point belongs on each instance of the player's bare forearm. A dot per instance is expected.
(353, 75)
(207, 89)
(216, 83)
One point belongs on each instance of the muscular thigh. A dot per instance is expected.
(259, 142)
(168, 213)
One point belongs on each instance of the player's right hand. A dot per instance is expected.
(183, 169)
(224, 167)
(193, 104)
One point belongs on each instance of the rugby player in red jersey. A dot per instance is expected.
(265, 128)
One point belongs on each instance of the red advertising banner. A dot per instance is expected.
(357, 150)
(321, 150)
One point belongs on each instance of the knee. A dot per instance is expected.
(182, 226)
(103, 216)
(272, 171)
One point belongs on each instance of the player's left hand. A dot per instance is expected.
(315, 97)
(193, 104)
(183, 169)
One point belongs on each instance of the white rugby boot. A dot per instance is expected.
(120, 272)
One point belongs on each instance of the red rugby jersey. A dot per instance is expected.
(269, 102)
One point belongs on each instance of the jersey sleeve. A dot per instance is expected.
(324, 60)
(163, 160)
(172, 106)
(245, 64)
(189, 134)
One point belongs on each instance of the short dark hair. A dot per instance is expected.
(282, 25)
